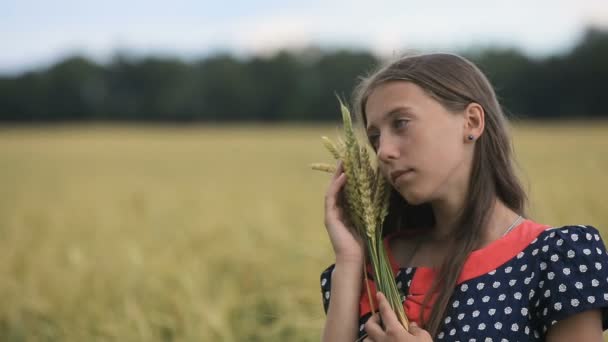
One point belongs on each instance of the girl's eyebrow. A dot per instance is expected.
(406, 110)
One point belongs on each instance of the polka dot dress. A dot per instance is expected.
(514, 289)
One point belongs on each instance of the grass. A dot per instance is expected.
(205, 233)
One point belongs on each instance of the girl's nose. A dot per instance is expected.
(387, 150)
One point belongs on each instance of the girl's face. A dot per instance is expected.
(421, 146)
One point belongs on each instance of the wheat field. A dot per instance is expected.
(206, 233)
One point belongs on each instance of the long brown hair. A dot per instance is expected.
(455, 83)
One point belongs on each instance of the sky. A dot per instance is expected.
(35, 34)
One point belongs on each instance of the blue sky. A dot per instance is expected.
(36, 33)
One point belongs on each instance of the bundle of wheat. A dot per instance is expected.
(367, 198)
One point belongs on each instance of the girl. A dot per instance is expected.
(469, 264)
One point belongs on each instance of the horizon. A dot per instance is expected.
(36, 35)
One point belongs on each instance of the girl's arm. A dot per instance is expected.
(584, 326)
(343, 312)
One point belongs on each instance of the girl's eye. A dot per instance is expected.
(373, 139)
(401, 123)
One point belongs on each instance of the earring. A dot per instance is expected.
(471, 137)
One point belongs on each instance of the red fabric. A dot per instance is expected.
(480, 262)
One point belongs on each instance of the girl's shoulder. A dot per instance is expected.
(573, 241)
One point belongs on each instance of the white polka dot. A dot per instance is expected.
(591, 299)
(527, 280)
(441, 334)
(496, 284)
(588, 236)
(541, 284)
(464, 287)
(559, 242)
(491, 312)
(587, 251)
(578, 285)
(512, 282)
(326, 295)
(492, 272)
(545, 248)
(398, 273)
(399, 285)
(605, 296)
(524, 311)
(531, 294)
(543, 266)
(557, 306)
(452, 332)
(480, 286)
(597, 237)
(485, 299)
(574, 302)
(571, 254)
(545, 310)
(502, 297)
(583, 268)
(362, 327)
(408, 270)
(466, 328)
(447, 320)
(323, 281)
(535, 251)
(574, 237)
(552, 235)
(523, 267)
(508, 269)
(517, 295)
(534, 241)
(475, 313)
(598, 266)
(470, 301)
(508, 310)
(554, 257)
(550, 275)
(498, 325)
(460, 316)
(514, 327)
(562, 288)
(482, 326)
(599, 251)
(520, 255)
(455, 304)
(595, 283)
(566, 270)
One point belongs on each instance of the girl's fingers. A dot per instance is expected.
(339, 170)
(373, 328)
(336, 183)
(388, 316)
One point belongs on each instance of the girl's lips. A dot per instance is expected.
(396, 175)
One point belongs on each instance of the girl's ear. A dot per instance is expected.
(474, 121)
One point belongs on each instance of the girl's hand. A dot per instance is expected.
(347, 246)
(394, 330)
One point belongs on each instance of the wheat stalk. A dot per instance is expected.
(367, 200)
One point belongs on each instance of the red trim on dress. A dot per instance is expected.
(478, 263)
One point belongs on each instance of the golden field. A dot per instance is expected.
(149, 233)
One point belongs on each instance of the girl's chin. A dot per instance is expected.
(413, 197)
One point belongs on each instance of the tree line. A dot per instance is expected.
(287, 86)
